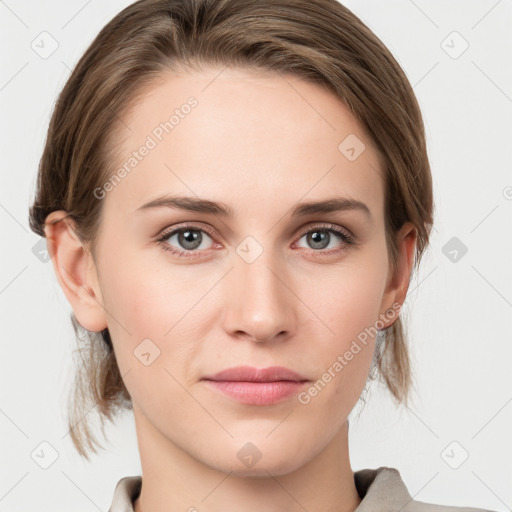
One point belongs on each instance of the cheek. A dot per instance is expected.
(151, 323)
(346, 306)
(148, 298)
(349, 298)
(350, 315)
(156, 303)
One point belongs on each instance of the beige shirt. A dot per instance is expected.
(381, 489)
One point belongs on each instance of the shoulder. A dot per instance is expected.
(384, 489)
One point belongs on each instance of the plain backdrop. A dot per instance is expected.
(453, 445)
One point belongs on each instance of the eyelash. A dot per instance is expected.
(346, 237)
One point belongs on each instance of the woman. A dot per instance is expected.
(235, 195)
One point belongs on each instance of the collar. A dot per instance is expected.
(381, 489)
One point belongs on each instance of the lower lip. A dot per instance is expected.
(258, 393)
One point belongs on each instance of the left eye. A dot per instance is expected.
(320, 238)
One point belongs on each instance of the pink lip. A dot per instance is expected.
(254, 386)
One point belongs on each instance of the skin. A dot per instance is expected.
(260, 143)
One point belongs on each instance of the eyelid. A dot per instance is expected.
(166, 232)
(328, 227)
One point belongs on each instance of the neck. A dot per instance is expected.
(173, 480)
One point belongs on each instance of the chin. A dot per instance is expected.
(276, 464)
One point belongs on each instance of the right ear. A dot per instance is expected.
(75, 270)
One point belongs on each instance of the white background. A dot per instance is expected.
(460, 334)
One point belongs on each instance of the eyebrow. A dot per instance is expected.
(194, 204)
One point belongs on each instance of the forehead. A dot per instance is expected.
(240, 136)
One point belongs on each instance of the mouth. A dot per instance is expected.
(253, 386)
(251, 374)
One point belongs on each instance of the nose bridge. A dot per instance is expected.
(260, 303)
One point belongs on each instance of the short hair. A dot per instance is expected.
(318, 40)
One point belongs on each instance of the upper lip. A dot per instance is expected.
(251, 374)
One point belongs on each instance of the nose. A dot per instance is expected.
(260, 303)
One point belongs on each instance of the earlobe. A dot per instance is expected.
(398, 283)
(75, 271)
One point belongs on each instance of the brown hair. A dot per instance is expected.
(319, 40)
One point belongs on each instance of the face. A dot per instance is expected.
(250, 278)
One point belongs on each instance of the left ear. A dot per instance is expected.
(398, 281)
